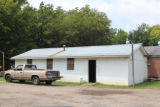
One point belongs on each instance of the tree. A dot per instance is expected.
(10, 25)
(20, 2)
(140, 35)
(13, 29)
(86, 26)
(120, 37)
(154, 34)
(46, 28)
(54, 29)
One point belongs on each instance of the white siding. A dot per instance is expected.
(20, 62)
(108, 70)
(80, 69)
(40, 63)
(112, 71)
(140, 67)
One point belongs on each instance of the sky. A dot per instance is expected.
(124, 14)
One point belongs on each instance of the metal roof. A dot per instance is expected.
(153, 50)
(79, 52)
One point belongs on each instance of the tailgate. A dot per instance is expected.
(53, 74)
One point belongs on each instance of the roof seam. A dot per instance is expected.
(54, 54)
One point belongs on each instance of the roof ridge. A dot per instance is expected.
(87, 46)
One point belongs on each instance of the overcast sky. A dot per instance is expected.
(124, 14)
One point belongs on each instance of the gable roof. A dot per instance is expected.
(153, 50)
(123, 50)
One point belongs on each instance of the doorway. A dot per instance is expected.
(92, 71)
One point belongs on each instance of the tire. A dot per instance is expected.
(8, 78)
(21, 81)
(35, 80)
(48, 82)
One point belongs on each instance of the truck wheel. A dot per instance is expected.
(8, 78)
(48, 82)
(21, 81)
(35, 80)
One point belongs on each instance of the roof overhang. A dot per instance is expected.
(153, 55)
(64, 57)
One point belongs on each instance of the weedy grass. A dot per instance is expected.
(69, 83)
(2, 80)
(144, 85)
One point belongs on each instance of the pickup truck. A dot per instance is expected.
(30, 72)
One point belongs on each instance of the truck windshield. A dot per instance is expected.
(30, 67)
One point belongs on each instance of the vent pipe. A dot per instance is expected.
(64, 47)
(127, 41)
(158, 43)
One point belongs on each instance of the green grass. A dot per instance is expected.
(2, 80)
(149, 85)
(68, 83)
(56, 83)
(108, 86)
(144, 85)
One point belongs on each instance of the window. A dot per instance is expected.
(49, 63)
(29, 61)
(70, 64)
(19, 67)
(30, 67)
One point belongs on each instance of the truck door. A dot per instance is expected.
(28, 71)
(18, 72)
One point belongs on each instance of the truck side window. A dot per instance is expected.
(30, 67)
(19, 67)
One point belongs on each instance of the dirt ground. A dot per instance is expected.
(27, 95)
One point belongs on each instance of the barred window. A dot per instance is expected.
(29, 61)
(70, 64)
(49, 63)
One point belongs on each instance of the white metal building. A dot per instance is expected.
(108, 64)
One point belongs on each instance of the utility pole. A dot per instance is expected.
(132, 50)
(3, 62)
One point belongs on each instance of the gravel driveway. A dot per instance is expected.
(27, 95)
